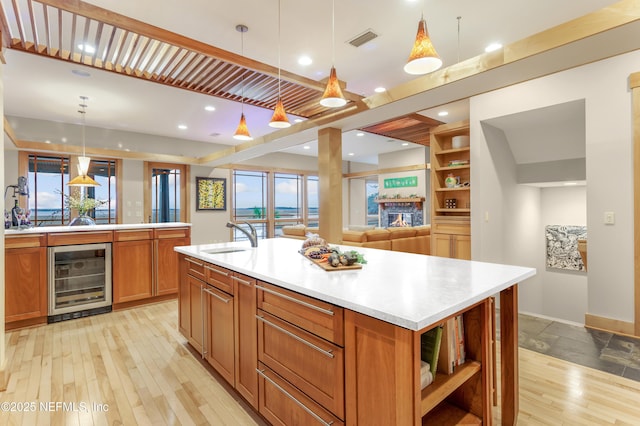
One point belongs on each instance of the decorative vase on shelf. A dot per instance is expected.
(450, 181)
(83, 219)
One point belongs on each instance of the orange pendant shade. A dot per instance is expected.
(242, 132)
(279, 119)
(82, 180)
(423, 58)
(332, 97)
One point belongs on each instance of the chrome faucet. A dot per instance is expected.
(253, 236)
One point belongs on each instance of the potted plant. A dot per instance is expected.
(83, 204)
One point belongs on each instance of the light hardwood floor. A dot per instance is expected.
(137, 363)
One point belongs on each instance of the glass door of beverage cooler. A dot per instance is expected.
(79, 280)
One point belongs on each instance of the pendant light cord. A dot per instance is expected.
(333, 33)
(459, 17)
(279, 78)
(84, 122)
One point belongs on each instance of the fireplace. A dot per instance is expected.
(400, 219)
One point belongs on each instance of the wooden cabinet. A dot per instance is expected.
(246, 337)
(196, 313)
(25, 278)
(219, 331)
(145, 264)
(301, 341)
(132, 270)
(166, 259)
(393, 353)
(450, 192)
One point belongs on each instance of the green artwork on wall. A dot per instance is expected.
(401, 182)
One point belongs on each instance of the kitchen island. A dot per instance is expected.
(343, 347)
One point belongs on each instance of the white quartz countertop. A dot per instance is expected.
(52, 229)
(409, 290)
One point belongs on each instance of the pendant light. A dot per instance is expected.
(279, 119)
(332, 97)
(423, 58)
(242, 132)
(83, 179)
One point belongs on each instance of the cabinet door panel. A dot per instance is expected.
(166, 265)
(196, 308)
(184, 314)
(25, 283)
(462, 246)
(132, 270)
(219, 347)
(246, 338)
(441, 245)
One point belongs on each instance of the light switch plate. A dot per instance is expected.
(609, 218)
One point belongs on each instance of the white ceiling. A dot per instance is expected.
(46, 89)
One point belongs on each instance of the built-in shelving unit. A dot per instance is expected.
(451, 203)
(417, 201)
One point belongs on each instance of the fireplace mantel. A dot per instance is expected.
(417, 201)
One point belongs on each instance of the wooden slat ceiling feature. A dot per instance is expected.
(60, 28)
(414, 128)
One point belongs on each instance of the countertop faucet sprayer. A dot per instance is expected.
(253, 236)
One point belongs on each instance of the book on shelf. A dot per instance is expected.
(430, 343)
(452, 352)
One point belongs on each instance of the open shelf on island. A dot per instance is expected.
(445, 384)
(448, 414)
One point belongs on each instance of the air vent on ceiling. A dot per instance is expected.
(214, 134)
(363, 38)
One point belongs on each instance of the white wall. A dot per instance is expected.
(209, 226)
(133, 192)
(604, 86)
(563, 206)
(357, 207)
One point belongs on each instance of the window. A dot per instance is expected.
(271, 200)
(250, 201)
(371, 187)
(287, 200)
(165, 192)
(48, 176)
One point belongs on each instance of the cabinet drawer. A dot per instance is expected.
(219, 277)
(451, 227)
(320, 318)
(25, 241)
(311, 364)
(283, 404)
(171, 233)
(195, 268)
(132, 234)
(68, 238)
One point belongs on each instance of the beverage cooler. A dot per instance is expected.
(79, 281)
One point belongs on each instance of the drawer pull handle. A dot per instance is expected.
(293, 398)
(293, 299)
(328, 353)
(204, 323)
(217, 271)
(222, 299)
(193, 261)
(245, 282)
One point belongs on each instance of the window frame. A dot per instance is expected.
(185, 176)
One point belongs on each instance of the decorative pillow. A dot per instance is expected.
(401, 232)
(377, 234)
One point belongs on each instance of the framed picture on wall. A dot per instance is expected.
(211, 193)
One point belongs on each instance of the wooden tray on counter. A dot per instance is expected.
(327, 267)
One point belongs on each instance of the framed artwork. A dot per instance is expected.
(211, 193)
(562, 246)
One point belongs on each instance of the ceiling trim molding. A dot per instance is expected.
(416, 167)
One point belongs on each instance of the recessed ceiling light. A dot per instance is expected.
(443, 113)
(570, 183)
(306, 147)
(359, 134)
(64, 140)
(304, 60)
(182, 127)
(405, 143)
(120, 145)
(80, 73)
(493, 46)
(351, 154)
(47, 141)
(379, 89)
(298, 120)
(127, 150)
(210, 108)
(87, 48)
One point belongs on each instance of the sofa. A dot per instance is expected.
(410, 239)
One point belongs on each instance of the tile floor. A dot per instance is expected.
(615, 354)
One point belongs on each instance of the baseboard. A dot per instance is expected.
(609, 324)
(4, 376)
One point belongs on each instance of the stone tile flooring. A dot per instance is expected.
(615, 354)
